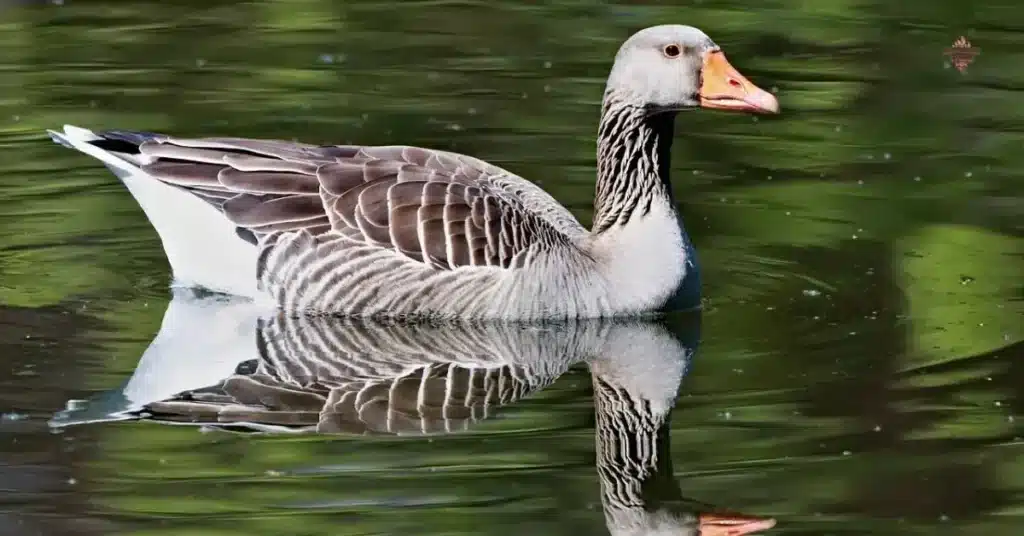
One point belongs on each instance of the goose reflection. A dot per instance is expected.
(227, 364)
(636, 378)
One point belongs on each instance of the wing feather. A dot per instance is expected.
(188, 175)
(261, 181)
(254, 211)
(444, 209)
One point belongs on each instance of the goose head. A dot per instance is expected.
(636, 378)
(673, 67)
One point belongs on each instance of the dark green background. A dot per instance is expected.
(891, 184)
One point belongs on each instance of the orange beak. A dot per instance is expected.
(724, 88)
(733, 524)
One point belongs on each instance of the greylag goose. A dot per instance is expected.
(633, 401)
(247, 370)
(407, 231)
(229, 363)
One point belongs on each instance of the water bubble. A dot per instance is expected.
(547, 64)
(811, 292)
(968, 174)
(887, 156)
(13, 416)
(917, 179)
(72, 481)
(847, 453)
(877, 428)
(966, 280)
(326, 58)
(838, 128)
(200, 62)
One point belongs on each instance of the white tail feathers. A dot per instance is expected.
(201, 244)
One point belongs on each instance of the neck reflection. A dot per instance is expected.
(224, 364)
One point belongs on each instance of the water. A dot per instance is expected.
(858, 369)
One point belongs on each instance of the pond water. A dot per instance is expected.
(860, 366)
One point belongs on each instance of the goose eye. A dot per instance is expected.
(672, 51)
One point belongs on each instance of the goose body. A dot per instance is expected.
(409, 231)
(224, 364)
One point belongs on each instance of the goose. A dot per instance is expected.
(401, 231)
(260, 371)
(636, 384)
(228, 363)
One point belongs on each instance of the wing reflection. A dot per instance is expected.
(225, 364)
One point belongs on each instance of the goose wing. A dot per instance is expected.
(325, 374)
(442, 209)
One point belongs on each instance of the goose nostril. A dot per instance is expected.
(734, 83)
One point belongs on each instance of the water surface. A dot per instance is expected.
(859, 369)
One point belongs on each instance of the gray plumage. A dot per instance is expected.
(407, 231)
(330, 375)
(317, 374)
(226, 363)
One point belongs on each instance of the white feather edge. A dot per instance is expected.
(201, 244)
(201, 341)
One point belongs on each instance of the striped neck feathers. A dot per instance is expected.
(633, 456)
(633, 154)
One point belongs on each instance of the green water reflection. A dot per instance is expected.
(860, 368)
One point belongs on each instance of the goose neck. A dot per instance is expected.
(633, 459)
(633, 160)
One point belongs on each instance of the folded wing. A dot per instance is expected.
(441, 209)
